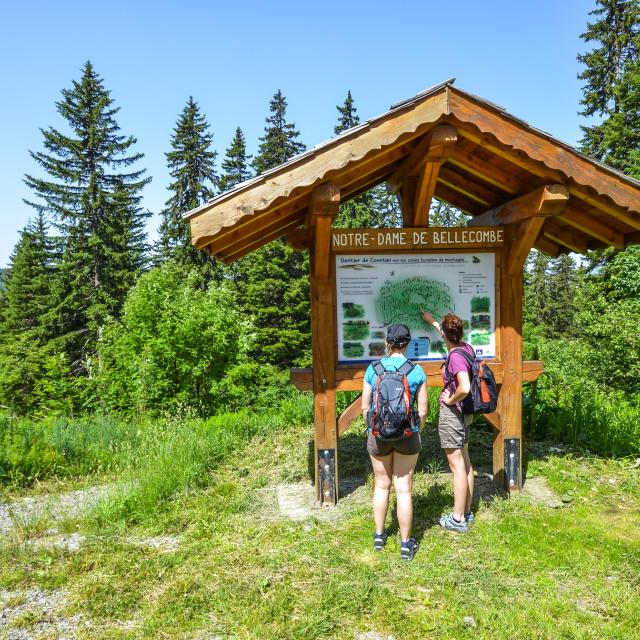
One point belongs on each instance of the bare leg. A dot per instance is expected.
(469, 470)
(455, 458)
(382, 470)
(403, 467)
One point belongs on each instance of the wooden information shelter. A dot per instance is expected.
(523, 188)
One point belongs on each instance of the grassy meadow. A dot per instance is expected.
(192, 544)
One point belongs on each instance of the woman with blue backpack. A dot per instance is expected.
(453, 424)
(391, 387)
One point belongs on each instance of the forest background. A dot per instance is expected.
(99, 325)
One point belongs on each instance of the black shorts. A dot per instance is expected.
(406, 446)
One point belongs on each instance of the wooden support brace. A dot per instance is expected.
(528, 232)
(545, 201)
(565, 237)
(299, 239)
(349, 415)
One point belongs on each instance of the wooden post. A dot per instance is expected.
(507, 443)
(323, 208)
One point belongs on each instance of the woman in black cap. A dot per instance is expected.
(394, 460)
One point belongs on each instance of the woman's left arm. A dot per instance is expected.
(463, 388)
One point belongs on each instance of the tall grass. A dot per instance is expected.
(176, 456)
(62, 447)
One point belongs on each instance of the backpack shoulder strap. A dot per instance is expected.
(467, 356)
(406, 367)
(378, 368)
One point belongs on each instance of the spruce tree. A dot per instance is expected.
(443, 214)
(273, 282)
(94, 193)
(27, 296)
(191, 164)
(612, 84)
(280, 141)
(234, 166)
(348, 117)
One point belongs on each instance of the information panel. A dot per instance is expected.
(374, 291)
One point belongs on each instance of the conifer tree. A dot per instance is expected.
(280, 141)
(191, 163)
(234, 166)
(442, 214)
(273, 282)
(612, 84)
(94, 194)
(27, 296)
(348, 117)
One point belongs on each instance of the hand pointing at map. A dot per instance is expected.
(427, 316)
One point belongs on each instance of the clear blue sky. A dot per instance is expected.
(232, 56)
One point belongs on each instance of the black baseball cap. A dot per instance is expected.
(398, 334)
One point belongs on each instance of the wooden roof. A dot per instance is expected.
(491, 158)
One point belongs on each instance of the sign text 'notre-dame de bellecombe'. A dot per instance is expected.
(349, 240)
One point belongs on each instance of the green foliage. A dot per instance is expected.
(94, 196)
(234, 165)
(32, 450)
(442, 214)
(191, 165)
(174, 338)
(571, 402)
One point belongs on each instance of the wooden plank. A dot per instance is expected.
(455, 199)
(547, 246)
(629, 218)
(541, 152)
(299, 238)
(548, 200)
(350, 377)
(565, 237)
(510, 397)
(323, 208)
(487, 172)
(433, 147)
(470, 189)
(528, 232)
(632, 238)
(592, 227)
(349, 415)
(414, 239)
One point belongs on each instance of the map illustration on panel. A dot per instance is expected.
(374, 291)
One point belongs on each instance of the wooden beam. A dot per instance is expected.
(350, 377)
(528, 232)
(593, 227)
(425, 189)
(487, 172)
(547, 246)
(456, 199)
(632, 238)
(627, 217)
(435, 146)
(407, 198)
(565, 237)
(299, 238)
(544, 201)
(470, 189)
(349, 415)
(323, 207)
(507, 445)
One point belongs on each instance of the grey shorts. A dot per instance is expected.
(406, 446)
(453, 427)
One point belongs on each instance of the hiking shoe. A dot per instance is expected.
(469, 517)
(450, 523)
(408, 549)
(379, 540)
